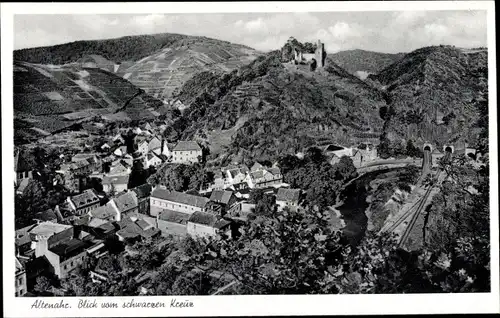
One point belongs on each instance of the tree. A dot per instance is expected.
(287, 252)
(138, 175)
(265, 205)
(43, 284)
(345, 169)
(413, 151)
(192, 283)
(256, 195)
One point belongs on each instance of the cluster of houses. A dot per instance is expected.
(59, 242)
(360, 155)
(114, 164)
(241, 179)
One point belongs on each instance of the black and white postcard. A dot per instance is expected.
(213, 159)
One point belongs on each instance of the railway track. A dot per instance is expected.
(418, 206)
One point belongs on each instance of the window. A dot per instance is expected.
(21, 292)
(27, 174)
(65, 267)
(72, 264)
(17, 294)
(20, 281)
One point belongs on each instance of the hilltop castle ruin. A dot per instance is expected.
(315, 60)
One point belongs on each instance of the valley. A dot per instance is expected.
(167, 158)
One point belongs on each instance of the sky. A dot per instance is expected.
(391, 32)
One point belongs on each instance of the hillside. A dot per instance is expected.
(269, 108)
(158, 63)
(362, 61)
(50, 99)
(127, 48)
(435, 93)
(161, 73)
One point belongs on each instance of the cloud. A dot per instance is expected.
(378, 31)
(257, 25)
(342, 30)
(147, 20)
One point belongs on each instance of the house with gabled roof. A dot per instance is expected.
(152, 160)
(22, 185)
(205, 224)
(119, 168)
(23, 240)
(186, 152)
(115, 183)
(161, 198)
(223, 199)
(23, 166)
(21, 281)
(133, 229)
(172, 222)
(240, 211)
(288, 198)
(143, 193)
(154, 144)
(45, 216)
(126, 204)
(57, 243)
(262, 177)
(84, 202)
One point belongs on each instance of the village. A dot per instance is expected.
(63, 237)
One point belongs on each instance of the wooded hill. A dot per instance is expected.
(436, 94)
(270, 108)
(364, 61)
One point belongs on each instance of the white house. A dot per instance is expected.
(161, 199)
(152, 160)
(186, 152)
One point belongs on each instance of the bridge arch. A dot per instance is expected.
(449, 148)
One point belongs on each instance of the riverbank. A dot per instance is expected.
(363, 201)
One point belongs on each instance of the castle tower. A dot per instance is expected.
(320, 54)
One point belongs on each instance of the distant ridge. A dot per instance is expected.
(364, 61)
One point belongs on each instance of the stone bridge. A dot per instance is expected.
(388, 164)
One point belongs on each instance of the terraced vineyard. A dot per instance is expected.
(48, 99)
(163, 72)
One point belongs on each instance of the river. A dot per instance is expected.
(354, 205)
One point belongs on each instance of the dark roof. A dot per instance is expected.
(115, 180)
(22, 235)
(173, 216)
(24, 161)
(69, 249)
(288, 194)
(106, 227)
(103, 212)
(131, 229)
(187, 146)
(179, 197)
(87, 197)
(257, 174)
(208, 219)
(143, 191)
(23, 185)
(46, 215)
(256, 166)
(274, 170)
(221, 196)
(126, 201)
(82, 220)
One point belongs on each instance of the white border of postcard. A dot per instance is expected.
(242, 305)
